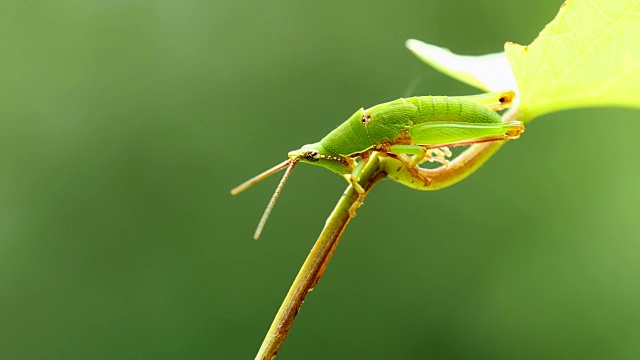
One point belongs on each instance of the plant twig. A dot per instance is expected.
(317, 261)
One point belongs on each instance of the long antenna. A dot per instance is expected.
(247, 184)
(292, 163)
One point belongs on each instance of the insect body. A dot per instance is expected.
(410, 126)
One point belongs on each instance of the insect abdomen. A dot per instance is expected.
(443, 108)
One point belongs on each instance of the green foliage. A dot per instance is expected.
(486, 72)
(587, 56)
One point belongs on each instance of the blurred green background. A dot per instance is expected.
(126, 123)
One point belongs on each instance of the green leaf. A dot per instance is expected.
(487, 72)
(589, 55)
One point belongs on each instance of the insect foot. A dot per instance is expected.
(439, 155)
(354, 183)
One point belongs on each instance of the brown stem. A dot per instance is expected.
(317, 261)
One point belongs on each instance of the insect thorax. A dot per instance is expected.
(349, 138)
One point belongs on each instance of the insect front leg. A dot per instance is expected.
(354, 177)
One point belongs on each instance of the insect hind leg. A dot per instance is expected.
(422, 153)
(439, 134)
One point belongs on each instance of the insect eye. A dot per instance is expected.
(312, 155)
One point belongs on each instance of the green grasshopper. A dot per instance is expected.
(417, 126)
